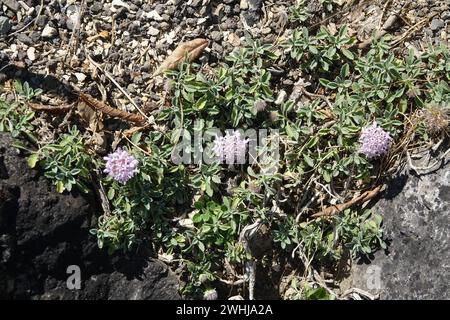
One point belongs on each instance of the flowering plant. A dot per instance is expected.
(121, 166)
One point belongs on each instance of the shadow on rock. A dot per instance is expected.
(43, 233)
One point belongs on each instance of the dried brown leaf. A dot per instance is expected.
(98, 105)
(193, 48)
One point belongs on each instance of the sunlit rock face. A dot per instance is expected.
(416, 213)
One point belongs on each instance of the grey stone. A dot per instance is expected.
(5, 25)
(96, 7)
(152, 31)
(24, 39)
(254, 4)
(217, 48)
(12, 4)
(41, 21)
(436, 24)
(416, 265)
(73, 15)
(35, 35)
(216, 35)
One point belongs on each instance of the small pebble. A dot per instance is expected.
(31, 53)
(436, 24)
(152, 31)
(48, 32)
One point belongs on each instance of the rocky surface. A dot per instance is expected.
(42, 233)
(416, 265)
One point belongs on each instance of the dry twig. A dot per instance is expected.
(100, 106)
(329, 211)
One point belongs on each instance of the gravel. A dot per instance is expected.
(129, 39)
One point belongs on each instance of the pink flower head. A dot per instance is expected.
(230, 147)
(374, 141)
(121, 166)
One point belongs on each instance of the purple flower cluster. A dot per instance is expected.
(230, 147)
(121, 166)
(374, 141)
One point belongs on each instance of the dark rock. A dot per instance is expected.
(25, 39)
(5, 25)
(416, 212)
(41, 21)
(42, 233)
(96, 7)
(35, 36)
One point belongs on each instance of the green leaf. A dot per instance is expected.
(209, 190)
(328, 84)
(347, 53)
(308, 160)
(381, 94)
(326, 176)
(136, 137)
(403, 105)
(291, 132)
(60, 187)
(111, 193)
(201, 103)
(32, 160)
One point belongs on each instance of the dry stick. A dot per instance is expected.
(135, 145)
(98, 105)
(51, 109)
(111, 78)
(315, 95)
(250, 266)
(76, 29)
(101, 192)
(383, 13)
(329, 211)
